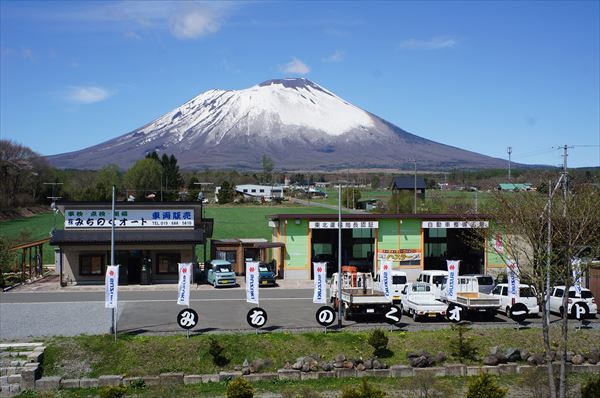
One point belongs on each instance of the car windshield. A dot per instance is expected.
(485, 280)
(263, 269)
(439, 279)
(398, 279)
(421, 288)
(526, 292)
(223, 268)
(586, 294)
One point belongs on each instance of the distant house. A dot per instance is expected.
(258, 192)
(515, 187)
(369, 204)
(407, 184)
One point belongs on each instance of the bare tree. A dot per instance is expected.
(542, 238)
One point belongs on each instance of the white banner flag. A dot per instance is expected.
(252, 276)
(320, 292)
(513, 280)
(452, 285)
(385, 279)
(576, 270)
(111, 286)
(183, 288)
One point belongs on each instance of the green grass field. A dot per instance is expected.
(136, 355)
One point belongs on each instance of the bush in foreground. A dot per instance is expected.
(240, 388)
(485, 386)
(366, 390)
(591, 389)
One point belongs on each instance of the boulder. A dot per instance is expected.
(593, 356)
(245, 371)
(287, 366)
(326, 366)
(305, 367)
(495, 350)
(340, 358)
(360, 367)
(524, 355)
(569, 356)
(440, 357)
(377, 364)
(368, 364)
(348, 364)
(513, 355)
(413, 355)
(536, 359)
(491, 360)
(297, 365)
(338, 364)
(418, 362)
(577, 359)
(245, 364)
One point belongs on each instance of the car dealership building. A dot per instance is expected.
(413, 242)
(151, 238)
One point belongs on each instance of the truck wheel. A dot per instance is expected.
(415, 316)
(347, 315)
(508, 312)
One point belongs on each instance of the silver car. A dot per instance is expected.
(485, 282)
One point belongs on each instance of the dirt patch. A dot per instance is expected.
(22, 212)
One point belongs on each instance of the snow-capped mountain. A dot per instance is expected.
(296, 122)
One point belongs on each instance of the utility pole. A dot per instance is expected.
(54, 199)
(509, 150)
(339, 275)
(415, 198)
(565, 180)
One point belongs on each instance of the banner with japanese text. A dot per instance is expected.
(512, 279)
(111, 286)
(576, 271)
(183, 287)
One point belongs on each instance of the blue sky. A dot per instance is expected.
(477, 75)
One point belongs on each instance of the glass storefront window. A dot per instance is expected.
(91, 264)
(166, 263)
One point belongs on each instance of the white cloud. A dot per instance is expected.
(194, 23)
(430, 44)
(87, 94)
(336, 56)
(295, 66)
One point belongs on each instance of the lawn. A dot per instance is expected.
(151, 355)
(33, 228)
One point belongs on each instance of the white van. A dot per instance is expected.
(398, 283)
(436, 279)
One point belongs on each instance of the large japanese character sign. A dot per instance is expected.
(256, 317)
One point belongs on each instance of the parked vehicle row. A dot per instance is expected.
(219, 273)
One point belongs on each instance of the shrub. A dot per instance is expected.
(378, 340)
(366, 390)
(138, 384)
(485, 386)
(591, 389)
(240, 388)
(113, 391)
(462, 347)
(215, 350)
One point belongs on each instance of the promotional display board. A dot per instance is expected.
(256, 317)
(187, 318)
(576, 271)
(97, 218)
(325, 316)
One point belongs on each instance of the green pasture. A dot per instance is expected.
(32, 228)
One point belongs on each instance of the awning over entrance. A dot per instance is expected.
(78, 237)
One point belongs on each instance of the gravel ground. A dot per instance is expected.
(51, 319)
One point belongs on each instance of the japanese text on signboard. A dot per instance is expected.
(455, 224)
(345, 224)
(129, 218)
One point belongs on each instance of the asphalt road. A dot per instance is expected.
(36, 314)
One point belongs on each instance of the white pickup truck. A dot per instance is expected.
(360, 296)
(418, 300)
(470, 299)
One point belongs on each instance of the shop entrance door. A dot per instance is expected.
(134, 267)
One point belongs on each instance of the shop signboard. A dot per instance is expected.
(345, 225)
(150, 218)
(455, 224)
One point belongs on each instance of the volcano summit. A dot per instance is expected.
(296, 122)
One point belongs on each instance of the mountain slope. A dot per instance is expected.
(296, 122)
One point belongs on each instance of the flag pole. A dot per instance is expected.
(112, 256)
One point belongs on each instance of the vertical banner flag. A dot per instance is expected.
(183, 288)
(111, 286)
(319, 272)
(499, 245)
(576, 270)
(452, 279)
(385, 279)
(513, 280)
(252, 275)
